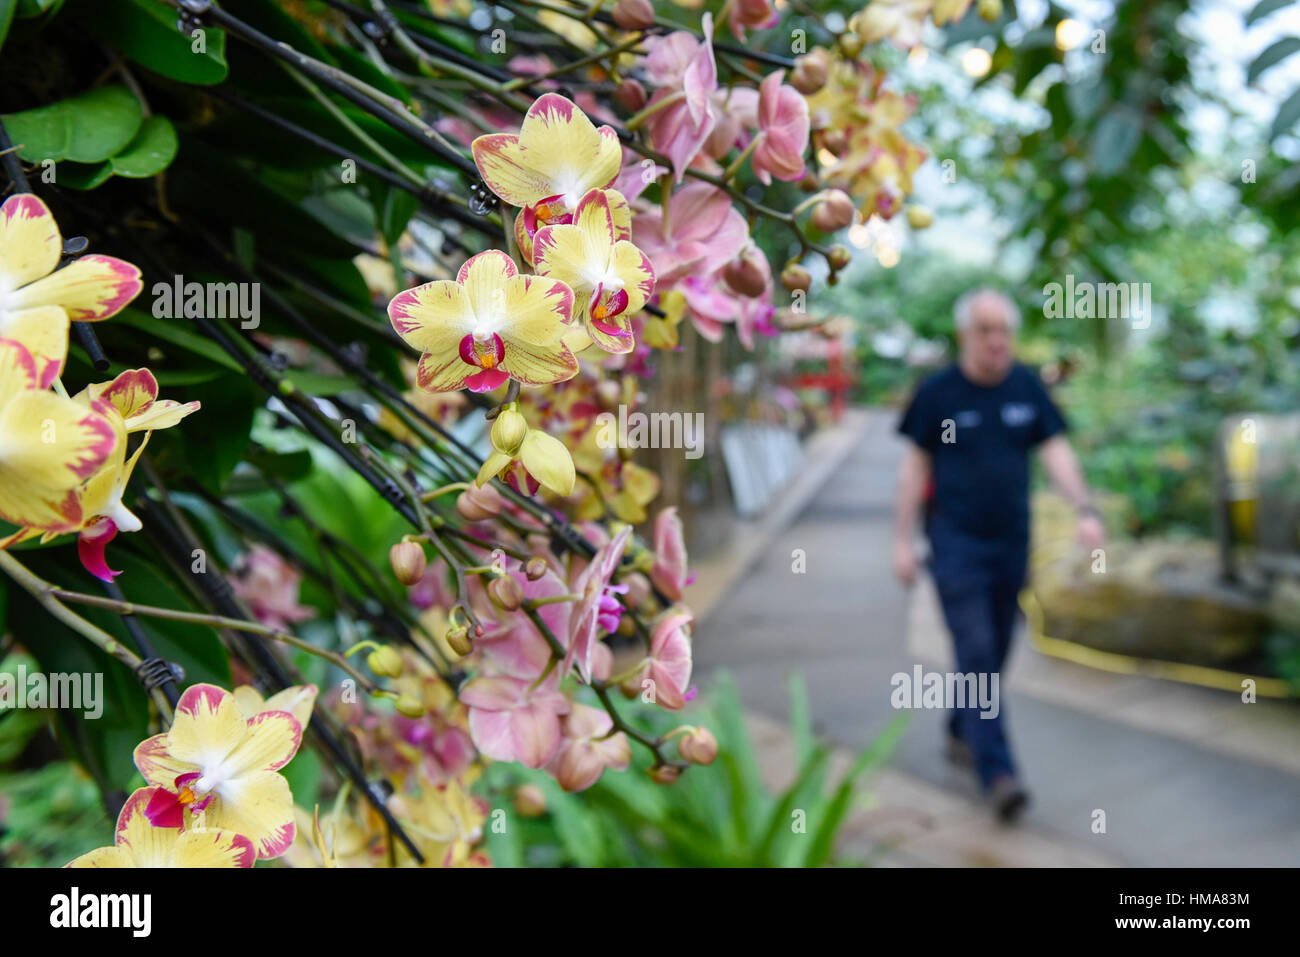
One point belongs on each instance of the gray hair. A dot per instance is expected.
(964, 310)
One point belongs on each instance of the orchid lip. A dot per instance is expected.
(482, 352)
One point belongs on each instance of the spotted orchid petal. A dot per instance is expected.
(490, 325)
(48, 445)
(89, 289)
(140, 842)
(557, 152)
(44, 333)
(30, 245)
(610, 277)
(230, 761)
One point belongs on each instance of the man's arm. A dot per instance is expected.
(1063, 469)
(913, 474)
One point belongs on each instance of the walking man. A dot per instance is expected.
(966, 469)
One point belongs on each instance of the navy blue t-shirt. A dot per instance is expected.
(979, 439)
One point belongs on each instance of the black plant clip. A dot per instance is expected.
(481, 199)
(192, 15)
(156, 672)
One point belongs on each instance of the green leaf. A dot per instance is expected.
(1273, 54)
(1115, 139)
(874, 754)
(178, 332)
(83, 175)
(34, 8)
(398, 208)
(85, 129)
(6, 17)
(1262, 9)
(1287, 115)
(150, 152)
(146, 32)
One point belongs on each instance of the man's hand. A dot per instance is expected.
(905, 563)
(1090, 531)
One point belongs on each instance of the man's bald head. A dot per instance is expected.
(986, 321)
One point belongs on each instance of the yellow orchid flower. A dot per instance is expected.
(544, 459)
(49, 445)
(445, 821)
(611, 278)
(298, 700)
(139, 843)
(549, 165)
(215, 762)
(38, 300)
(490, 325)
(134, 395)
(130, 404)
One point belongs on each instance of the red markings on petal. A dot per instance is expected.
(91, 545)
(164, 809)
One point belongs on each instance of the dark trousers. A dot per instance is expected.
(978, 581)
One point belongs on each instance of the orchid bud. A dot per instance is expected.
(506, 593)
(698, 746)
(873, 23)
(810, 183)
(634, 14)
(638, 589)
(548, 461)
(796, 278)
(479, 503)
(749, 273)
(810, 72)
(850, 44)
(838, 257)
(385, 662)
(458, 640)
(535, 568)
(529, 801)
(664, 774)
(834, 212)
(410, 706)
(835, 141)
(919, 217)
(630, 688)
(989, 10)
(631, 95)
(509, 431)
(408, 561)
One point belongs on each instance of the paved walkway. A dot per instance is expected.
(1185, 776)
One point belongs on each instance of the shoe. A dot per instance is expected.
(1008, 798)
(958, 752)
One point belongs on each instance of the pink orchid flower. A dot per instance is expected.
(514, 644)
(701, 234)
(669, 667)
(783, 125)
(269, 585)
(597, 608)
(669, 572)
(511, 721)
(588, 749)
(683, 114)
